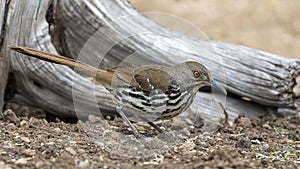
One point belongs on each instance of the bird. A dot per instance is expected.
(149, 92)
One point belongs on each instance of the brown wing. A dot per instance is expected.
(144, 78)
(152, 79)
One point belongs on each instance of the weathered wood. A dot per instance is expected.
(261, 76)
(264, 78)
(4, 64)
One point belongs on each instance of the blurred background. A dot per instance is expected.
(270, 25)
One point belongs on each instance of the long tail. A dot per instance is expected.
(53, 58)
(103, 76)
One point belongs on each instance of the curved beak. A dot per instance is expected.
(218, 86)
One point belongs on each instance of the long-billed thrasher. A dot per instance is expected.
(148, 92)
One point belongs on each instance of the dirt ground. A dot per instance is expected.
(271, 141)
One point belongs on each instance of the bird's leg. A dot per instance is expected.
(166, 136)
(155, 126)
(134, 130)
(124, 117)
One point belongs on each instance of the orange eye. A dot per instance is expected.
(196, 74)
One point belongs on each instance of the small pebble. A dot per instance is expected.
(28, 152)
(50, 143)
(25, 139)
(21, 161)
(24, 123)
(296, 142)
(11, 127)
(56, 129)
(81, 151)
(71, 150)
(39, 164)
(267, 126)
(83, 164)
(11, 117)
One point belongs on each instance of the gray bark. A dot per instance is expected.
(88, 31)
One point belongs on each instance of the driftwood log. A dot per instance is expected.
(257, 81)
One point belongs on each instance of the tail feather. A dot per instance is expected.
(53, 58)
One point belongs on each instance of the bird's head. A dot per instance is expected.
(195, 75)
